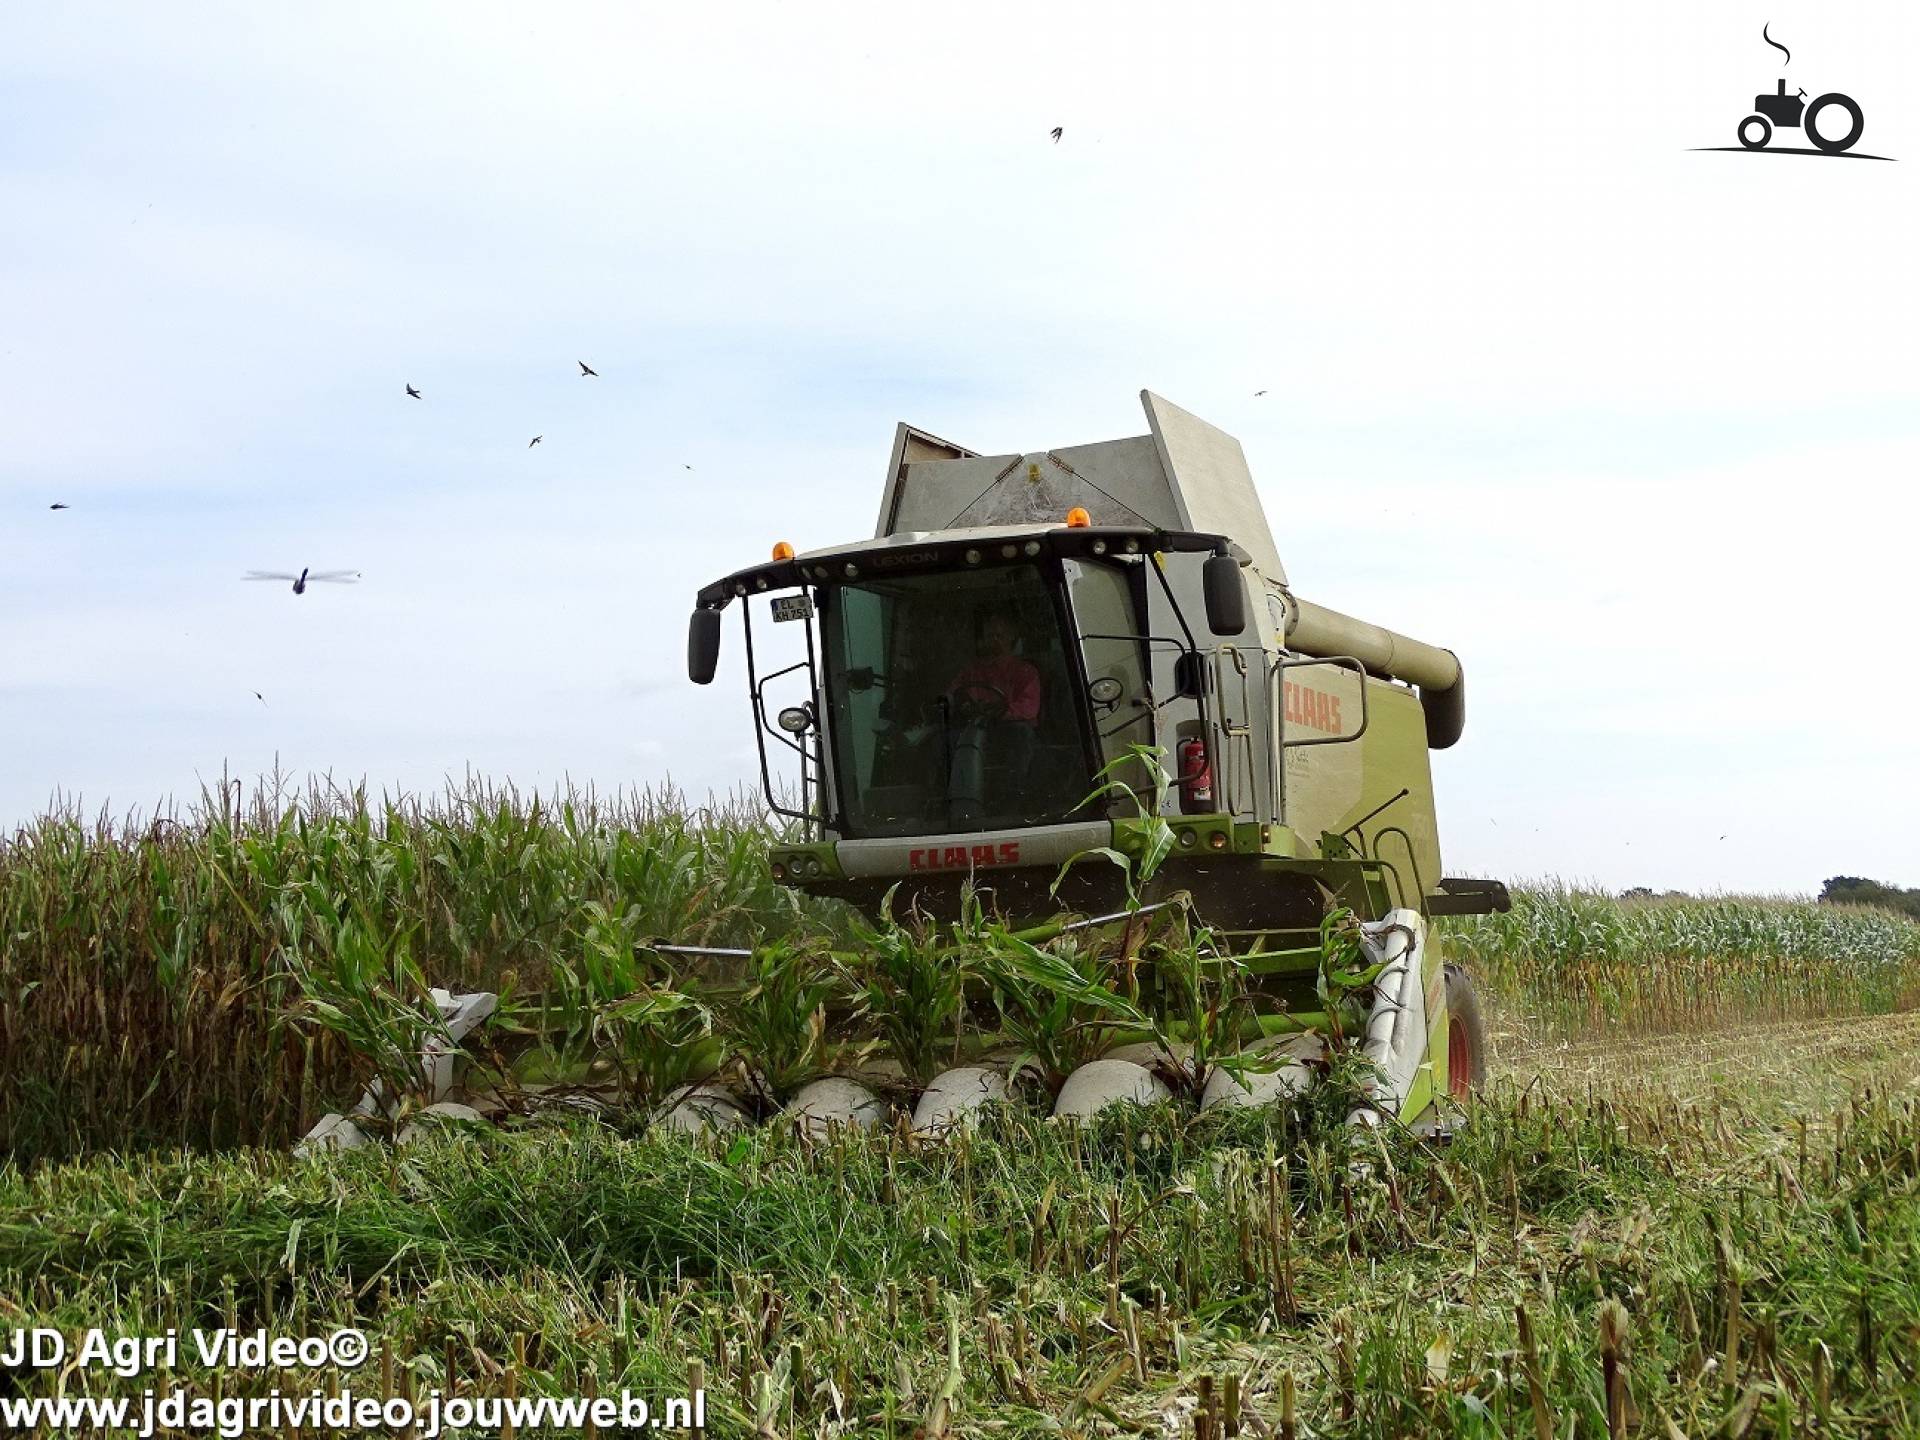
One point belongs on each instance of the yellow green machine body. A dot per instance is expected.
(1024, 629)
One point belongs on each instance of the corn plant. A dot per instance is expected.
(1201, 1001)
(777, 1020)
(1156, 834)
(606, 1004)
(1055, 1002)
(910, 982)
(654, 1037)
(365, 989)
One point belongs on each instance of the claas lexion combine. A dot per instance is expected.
(1024, 629)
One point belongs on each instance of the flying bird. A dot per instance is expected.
(57, 505)
(1057, 132)
(413, 392)
(586, 369)
(261, 698)
(305, 577)
(1258, 393)
(535, 441)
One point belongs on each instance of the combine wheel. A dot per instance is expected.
(1100, 1084)
(1466, 1037)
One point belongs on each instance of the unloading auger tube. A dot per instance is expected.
(1317, 631)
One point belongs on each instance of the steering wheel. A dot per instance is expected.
(977, 703)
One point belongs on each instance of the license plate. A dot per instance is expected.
(792, 607)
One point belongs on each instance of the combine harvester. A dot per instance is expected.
(1020, 627)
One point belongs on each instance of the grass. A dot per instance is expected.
(1684, 1219)
(1096, 1280)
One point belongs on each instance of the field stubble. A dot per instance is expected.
(1669, 1214)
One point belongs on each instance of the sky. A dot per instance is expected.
(1630, 426)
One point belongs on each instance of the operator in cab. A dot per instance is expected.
(1001, 679)
(999, 690)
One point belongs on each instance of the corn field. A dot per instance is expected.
(148, 971)
(1600, 1255)
(1571, 962)
(142, 965)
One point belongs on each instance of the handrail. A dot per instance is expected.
(756, 684)
(1229, 732)
(1279, 701)
(1346, 662)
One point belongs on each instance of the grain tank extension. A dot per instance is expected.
(1023, 624)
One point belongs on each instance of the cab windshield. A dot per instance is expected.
(954, 703)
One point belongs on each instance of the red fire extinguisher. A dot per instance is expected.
(1196, 776)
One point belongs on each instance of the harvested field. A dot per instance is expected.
(1696, 1220)
(1030, 1279)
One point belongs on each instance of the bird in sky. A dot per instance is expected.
(686, 467)
(411, 391)
(261, 698)
(586, 369)
(58, 505)
(535, 441)
(305, 577)
(1057, 132)
(1258, 393)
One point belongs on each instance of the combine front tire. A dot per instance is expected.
(1466, 1037)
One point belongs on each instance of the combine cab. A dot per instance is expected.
(1023, 629)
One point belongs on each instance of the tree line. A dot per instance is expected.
(1853, 890)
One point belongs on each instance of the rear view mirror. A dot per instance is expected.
(703, 645)
(1226, 595)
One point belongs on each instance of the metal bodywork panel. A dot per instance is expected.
(1117, 482)
(1207, 472)
(1355, 788)
(910, 445)
(1183, 475)
(972, 852)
